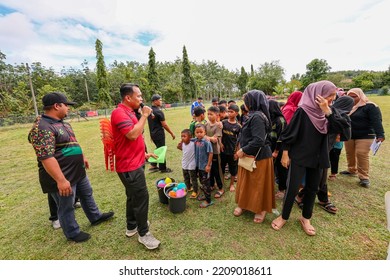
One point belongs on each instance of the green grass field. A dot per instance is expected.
(357, 231)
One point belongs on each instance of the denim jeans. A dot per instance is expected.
(65, 205)
(137, 203)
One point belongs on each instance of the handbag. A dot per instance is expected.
(248, 162)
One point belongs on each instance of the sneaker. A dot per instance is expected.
(149, 241)
(81, 237)
(168, 170)
(103, 218)
(77, 204)
(132, 232)
(365, 183)
(346, 172)
(56, 224)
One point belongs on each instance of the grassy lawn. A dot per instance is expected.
(357, 231)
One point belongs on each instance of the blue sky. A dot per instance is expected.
(350, 35)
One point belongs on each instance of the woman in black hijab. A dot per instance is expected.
(255, 190)
(278, 124)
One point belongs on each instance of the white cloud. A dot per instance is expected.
(16, 31)
(348, 34)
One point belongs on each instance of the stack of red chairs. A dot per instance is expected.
(108, 143)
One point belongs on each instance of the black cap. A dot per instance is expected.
(55, 97)
(156, 97)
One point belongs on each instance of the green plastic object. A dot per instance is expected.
(160, 152)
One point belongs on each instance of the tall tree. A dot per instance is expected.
(242, 80)
(104, 97)
(316, 70)
(187, 82)
(153, 79)
(268, 76)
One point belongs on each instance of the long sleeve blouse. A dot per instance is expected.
(367, 123)
(253, 136)
(305, 144)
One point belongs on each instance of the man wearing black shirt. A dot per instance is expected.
(62, 166)
(157, 125)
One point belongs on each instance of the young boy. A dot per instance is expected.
(222, 112)
(203, 158)
(199, 117)
(214, 134)
(188, 162)
(230, 131)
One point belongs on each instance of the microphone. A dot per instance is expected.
(142, 105)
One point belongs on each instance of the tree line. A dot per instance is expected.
(177, 81)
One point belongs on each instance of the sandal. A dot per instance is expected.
(299, 203)
(328, 207)
(201, 197)
(205, 204)
(279, 194)
(278, 223)
(193, 195)
(332, 177)
(259, 218)
(307, 228)
(218, 194)
(232, 188)
(238, 211)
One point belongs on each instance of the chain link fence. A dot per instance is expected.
(79, 115)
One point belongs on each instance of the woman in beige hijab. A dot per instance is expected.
(366, 125)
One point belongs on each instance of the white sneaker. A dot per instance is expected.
(56, 224)
(132, 232)
(149, 241)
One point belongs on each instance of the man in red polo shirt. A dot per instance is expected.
(130, 158)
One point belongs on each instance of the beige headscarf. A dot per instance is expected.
(363, 100)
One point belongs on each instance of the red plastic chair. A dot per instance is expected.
(108, 143)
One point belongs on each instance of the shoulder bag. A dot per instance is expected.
(248, 162)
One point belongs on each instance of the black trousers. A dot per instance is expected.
(322, 193)
(281, 173)
(216, 174)
(204, 179)
(137, 200)
(232, 164)
(294, 179)
(159, 142)
(52, 208)
(334, 157)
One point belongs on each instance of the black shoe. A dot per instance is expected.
(365, 183)
(347, 173)
(168, 170)
(153, 169)
(103, 218)
(81, 237)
